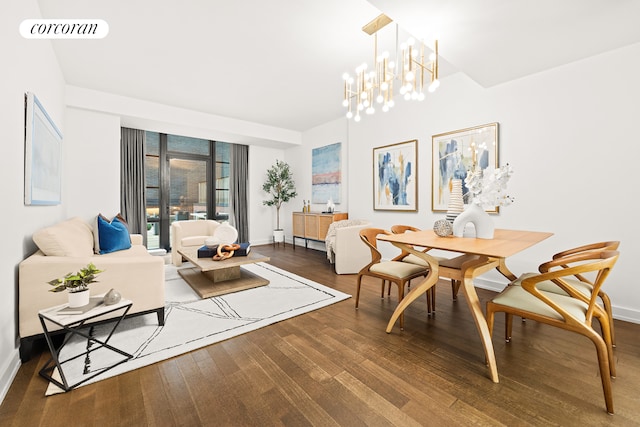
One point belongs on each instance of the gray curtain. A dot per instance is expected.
(132, 190)
(239, 172)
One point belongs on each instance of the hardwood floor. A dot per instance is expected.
(337, 366)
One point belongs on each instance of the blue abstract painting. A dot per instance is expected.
(326, 173)
(457, 152)
(395, 177)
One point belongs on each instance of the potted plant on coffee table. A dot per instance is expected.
(77, 284)
(281, 188)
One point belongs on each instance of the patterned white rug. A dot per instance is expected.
(192, 323)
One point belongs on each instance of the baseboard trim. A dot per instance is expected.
(9, 372)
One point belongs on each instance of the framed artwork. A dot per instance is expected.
(455, 153)
(395, 177)
(42, 156)
(326, 173)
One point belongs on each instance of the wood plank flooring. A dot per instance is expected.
(337, 366)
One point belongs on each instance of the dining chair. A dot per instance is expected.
(572, 312)
(397, 272)
(450, 268)
(581, 283)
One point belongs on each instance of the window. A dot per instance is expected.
(185, 178)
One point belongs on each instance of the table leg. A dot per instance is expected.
(473, 301)
(504, 270)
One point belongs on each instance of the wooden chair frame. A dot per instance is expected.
(369, 237)
(450, 268)
(600, 262)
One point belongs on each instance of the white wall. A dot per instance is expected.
(92, 164)
(299, 158)
(27, 65)
(570, 134)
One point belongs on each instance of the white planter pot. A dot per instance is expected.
(278, 236)
(78, 299)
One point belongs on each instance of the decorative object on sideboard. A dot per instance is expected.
(331, 207)
(77, 285)
(280, 187)
(443, 228)
(488, 188)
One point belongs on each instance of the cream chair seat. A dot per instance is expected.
(580, 283)
(188, 235)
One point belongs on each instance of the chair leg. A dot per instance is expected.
(428, 295)
(433, 299)
(358, 290)
(508, 324)
(382, 289)
(400, 296)
(603, 362)
(455, 287)
(607, 308)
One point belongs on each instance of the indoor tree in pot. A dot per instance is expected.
(281, 188)
(77, 284)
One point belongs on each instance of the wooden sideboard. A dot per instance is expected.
(314, 225)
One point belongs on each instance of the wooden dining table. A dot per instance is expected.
(492, 254)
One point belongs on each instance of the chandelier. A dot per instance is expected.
(371, 87)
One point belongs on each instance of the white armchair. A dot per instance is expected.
(344, 248)
(189, 234)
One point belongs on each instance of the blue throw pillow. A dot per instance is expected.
(113, 236)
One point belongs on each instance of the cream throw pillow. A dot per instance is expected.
(72, 237)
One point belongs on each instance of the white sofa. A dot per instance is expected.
(344, 248)
(69, 246)
(190, 234)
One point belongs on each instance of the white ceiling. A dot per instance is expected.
(280, 62)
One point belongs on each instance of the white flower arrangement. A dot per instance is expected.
(488, 187)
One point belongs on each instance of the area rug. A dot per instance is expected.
(192, 323)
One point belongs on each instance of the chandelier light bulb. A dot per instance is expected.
(434, 85)
(391, 103)
(385, 108)
(432, 56)
(350, 81)
(365, 95)
(403, 46)
(409, 76)
(360, 107)
(392, 65)
(407, 96)
(345, 77)
(384, 86)
(370, 110)
(411, 41)
(345, 103)
(349, 114)
(421, 96)
(403, 90)
(380, 98)
(365, 103)
(357, 118)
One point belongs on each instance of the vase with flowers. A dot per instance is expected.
(77, 284)
(488, 189)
